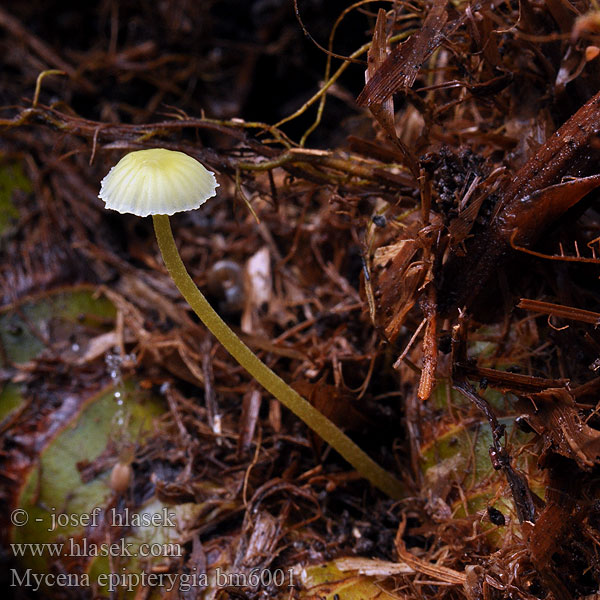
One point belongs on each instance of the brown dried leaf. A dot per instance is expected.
(398, 275)
(401, 67)
(378, 52)
(366, 566)
(553, 415)
(332, 402)
(523, 220)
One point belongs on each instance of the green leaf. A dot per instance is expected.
(328, 582)
(57, 316)
(54, 485)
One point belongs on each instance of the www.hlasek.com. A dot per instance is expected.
(131, 581)
(88, 549)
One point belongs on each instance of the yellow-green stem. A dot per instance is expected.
(320, 424)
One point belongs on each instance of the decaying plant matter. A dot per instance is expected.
(425, 273)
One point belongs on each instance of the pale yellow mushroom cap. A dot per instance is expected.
(157, 182)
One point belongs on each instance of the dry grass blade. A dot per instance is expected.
(570, 313)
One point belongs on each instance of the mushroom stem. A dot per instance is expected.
(319, 423)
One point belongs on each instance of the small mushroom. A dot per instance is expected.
(120, 477)
(161, 182)
(121, 474)
(157, 181)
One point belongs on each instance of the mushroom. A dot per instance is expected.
(161, 182)
(157, 181)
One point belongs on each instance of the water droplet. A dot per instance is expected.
(120, 401)
(217, 425)
(75, 348)
(117, 394)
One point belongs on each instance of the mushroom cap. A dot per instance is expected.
(157, 182)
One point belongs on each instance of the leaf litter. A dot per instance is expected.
(425, 273)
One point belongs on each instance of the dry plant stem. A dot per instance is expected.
(320, 424)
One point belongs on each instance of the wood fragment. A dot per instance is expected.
(430, 347)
